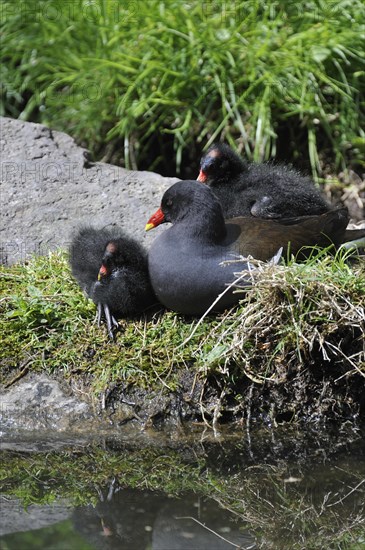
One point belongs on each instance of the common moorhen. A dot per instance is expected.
(112, 269)
(262, 190)
(195, 260)
(185, 262)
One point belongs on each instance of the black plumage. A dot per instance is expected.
(112, 269)
(193, 261)
(263, 190)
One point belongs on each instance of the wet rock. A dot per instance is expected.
(15, 518)
(50, 187)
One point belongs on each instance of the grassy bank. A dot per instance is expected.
(142, 83)
(293, 350)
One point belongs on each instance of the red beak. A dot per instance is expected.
(155, 220)
(102, 272)
(202, 177)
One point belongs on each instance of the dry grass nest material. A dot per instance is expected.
(295, 315)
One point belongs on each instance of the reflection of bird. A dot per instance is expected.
(112, 269)
(185, 262)
(261, 190)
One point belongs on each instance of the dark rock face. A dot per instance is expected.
(49, 188)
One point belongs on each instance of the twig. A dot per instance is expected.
(238, 547)
(234, 283)
(348, 494)
(23, 372)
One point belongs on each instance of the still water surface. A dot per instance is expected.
(224, 498)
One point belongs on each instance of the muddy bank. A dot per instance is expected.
(266, 362)
(311, 398)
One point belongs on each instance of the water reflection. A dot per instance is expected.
(124, 519)
(132, 519)
(297, 491)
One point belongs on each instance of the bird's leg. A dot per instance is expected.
(100, 313)
(114, 321)
(111, 490)
(103, 312)
(111, 322)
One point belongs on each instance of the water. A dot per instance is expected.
(135, 519)
(176, 492)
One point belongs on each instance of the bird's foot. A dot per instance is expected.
(103, 313)
(111, 322)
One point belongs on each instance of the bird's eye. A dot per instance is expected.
(169, 202)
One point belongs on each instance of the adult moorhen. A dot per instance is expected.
(112, 269)
(261, 190)
(185, 262)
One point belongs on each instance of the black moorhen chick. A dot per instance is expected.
(262, 190)
(112, 269)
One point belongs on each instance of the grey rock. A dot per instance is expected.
(49, 188)
(39, 403)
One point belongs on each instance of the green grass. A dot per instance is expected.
(43, 308)
(308, 315)
(131, 79)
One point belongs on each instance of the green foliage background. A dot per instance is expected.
(138, 82)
